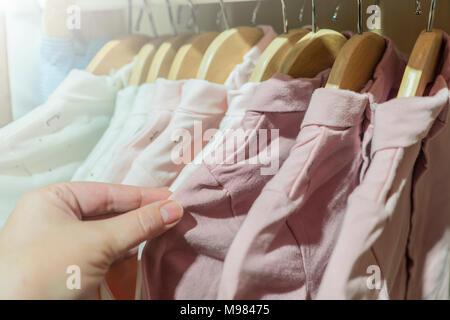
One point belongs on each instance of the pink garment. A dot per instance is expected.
(429, 242)
(167, 99)
(186, 262)
(369, 261)
(283, 247)
(281, 250)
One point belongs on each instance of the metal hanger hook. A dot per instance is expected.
(336, 10)
(431, 16)
(360, 17)
(418, 8)
(193, 20)
(149, 12)
(255, 11)
(130, 16)
(302, 10)
(314, 17)
(224, 14)
(171, 18)
(285, 19)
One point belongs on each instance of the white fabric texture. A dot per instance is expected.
(135, 121)
(238, 100)
(166, 98)
(202, 103)
(93, 166)
(49, 143)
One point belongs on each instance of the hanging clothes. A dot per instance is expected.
(168, 97)
(132, 109)
(237, 101)
(147, 160)
(377, 241)
(218, 196)
(49, 143)
(297, 217)
(429, 240)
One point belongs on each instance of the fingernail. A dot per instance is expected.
(171, 212)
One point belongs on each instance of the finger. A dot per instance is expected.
(129, 230)
(88, 200)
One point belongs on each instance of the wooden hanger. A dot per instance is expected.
(273, 56)
(164, 57)
(356, 62)
(422, 64)
(116, 53)
(144, 59)
(189, 57)
(226, 51)
(313, 53)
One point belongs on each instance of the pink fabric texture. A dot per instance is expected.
(282, 249)
(429, 242)
(167, 99)
(370, 261)
(186, 262)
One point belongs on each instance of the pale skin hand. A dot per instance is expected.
(90, 225)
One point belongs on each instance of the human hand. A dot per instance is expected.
(88, 225)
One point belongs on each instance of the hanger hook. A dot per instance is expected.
(302, 10)
(336, 10)
(255, 11)
(149, 12)
(418, 8)
(431, 16)
(193, 20)
(285, 19)
(130, 16)
(171, 18)
(224, 14)
(360, 17)
(314, 17)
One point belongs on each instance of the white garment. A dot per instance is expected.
(49, 143)
(23, 39)
(93, 166)
(238, 100)
(242, 72)
(167, 95)
(202, 104)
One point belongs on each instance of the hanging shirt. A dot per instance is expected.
(202, 103)
(58, 56)
(186, 262)
(167, 98)
(92, 167)
(48, 144)
(370, 260)
(284, 245)
(429, 240)
(237, 101)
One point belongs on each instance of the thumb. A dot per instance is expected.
(127, 231)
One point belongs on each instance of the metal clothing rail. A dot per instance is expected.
(97, 5)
